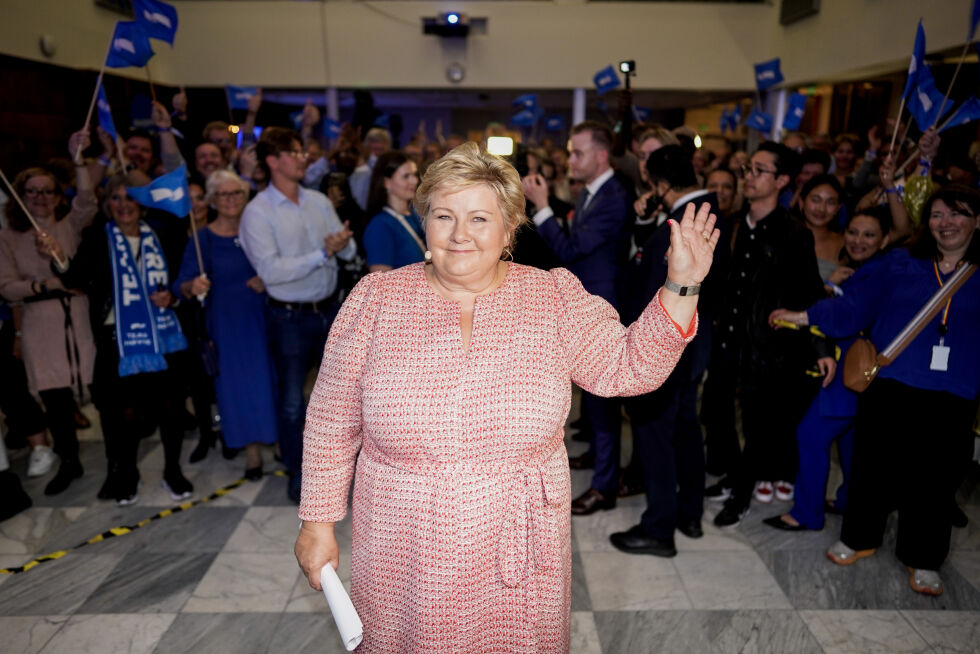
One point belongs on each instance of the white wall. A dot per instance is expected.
(559, 44)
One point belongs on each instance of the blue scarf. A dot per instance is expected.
(144, 332)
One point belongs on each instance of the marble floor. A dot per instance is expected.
(221, 577)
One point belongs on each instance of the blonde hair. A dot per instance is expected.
(219, 177)
(466, 166)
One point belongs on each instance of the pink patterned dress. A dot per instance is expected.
(461, 518)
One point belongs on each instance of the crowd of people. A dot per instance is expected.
(821, 240)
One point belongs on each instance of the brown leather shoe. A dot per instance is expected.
(582, 461)
(591, 501)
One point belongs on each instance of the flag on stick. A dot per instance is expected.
(159, 19)
(130, 46)
(168, 193)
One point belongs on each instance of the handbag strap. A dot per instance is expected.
(408, 228)
(925, 315)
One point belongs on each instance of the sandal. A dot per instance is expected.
(926, 582)
(841, 554)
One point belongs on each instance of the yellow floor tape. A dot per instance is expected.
(115, 532)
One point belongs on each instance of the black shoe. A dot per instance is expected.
(108, 490)
(293, 489)
(204, 445)
(957, 518)
(731, 514)
(254, 474)
(591, 501)
(128, 487)
(582, 462)
(229, 453)
(68, 472)
(14, 499)
(635, 541)
(831, 509)
(177, 485)
(690, 528)
(778, 523)
(719, 492)
(629, 489)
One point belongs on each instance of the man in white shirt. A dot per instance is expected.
(293, 237)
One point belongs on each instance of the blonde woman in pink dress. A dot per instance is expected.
(443, 391)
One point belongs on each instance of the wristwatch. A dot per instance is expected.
(682, 290)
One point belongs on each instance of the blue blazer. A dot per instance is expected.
(595, 247)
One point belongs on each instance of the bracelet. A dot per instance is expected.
(104, 161)
(674, 287)
(870, 153)
(925, 163)
(164, 130)
(894, 189)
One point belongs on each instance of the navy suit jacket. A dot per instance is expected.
(595, 246)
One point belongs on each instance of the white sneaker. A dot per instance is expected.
(784, 491)
(763, 492)
(40, 461)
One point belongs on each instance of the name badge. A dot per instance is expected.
(940, 358)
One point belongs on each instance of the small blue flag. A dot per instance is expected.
(296, 118)
(105, 114)
(730, 118)
(331, 127)
(159, 19)
(130, 46)
(967, 113)
(974, 19)
(526, 117)
(238, 96)
(924, 101)
(526, 101)
(917, 64)
(794, 114)
(554, 123)
(759, 120)
(642, 114)
(381, 121)
(723, 120)
(606, 80)
(768, 74)
(167, 193)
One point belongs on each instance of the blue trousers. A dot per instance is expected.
(296, 340)
(603, 414)
(814, 437)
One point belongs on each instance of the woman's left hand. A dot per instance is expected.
(256, 284)
(692, 244)
(162, 299)
(827, 367)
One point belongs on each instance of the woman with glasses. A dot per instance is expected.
(56, 341)
(234, 300)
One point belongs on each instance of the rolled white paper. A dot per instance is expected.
(348, 622)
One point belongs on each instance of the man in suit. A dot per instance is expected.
(594, 248)
(666, 433)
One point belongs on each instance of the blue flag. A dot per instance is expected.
(642, 114)
(723, 120)
(768, 74)
(167, 193)
(759, 120)
(967, 113)
(606, 80)
(159, 19)
(554, 123)
(238, 96)
(331, 127)
(917, 63)
(382, 121)
(526, 101)
(296, 118)
(526, 117)
(130, 46)
(921, 95)
(794, 114)
(105, 114)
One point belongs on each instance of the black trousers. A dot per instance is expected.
(667, 440)
(718, 417)
(125, 404)
(59, 410)
(23, 414)
(910, 446)
(772, 407)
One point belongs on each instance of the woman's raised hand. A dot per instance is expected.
(692, 244)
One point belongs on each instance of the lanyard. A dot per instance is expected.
(942, 325)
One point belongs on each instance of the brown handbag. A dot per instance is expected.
(863, 362)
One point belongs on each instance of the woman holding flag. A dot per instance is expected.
(121, 265)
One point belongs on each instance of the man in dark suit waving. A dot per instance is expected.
(594, 248)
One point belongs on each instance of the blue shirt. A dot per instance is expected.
(387, 243)
(284, 243)
(885, 296)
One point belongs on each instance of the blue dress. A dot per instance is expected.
(245, 384)
(386, 241)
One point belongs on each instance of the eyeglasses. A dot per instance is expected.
(296, 154)
(755, 171)
(225, 195)
(34, 192)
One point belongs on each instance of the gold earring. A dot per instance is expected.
(428, 256)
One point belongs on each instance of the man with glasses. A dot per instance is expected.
(773, 265)
(292, 238)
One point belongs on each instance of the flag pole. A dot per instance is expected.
(95, 93)
(959, 64)
(153, 91)
(197, 246)
(898, 123)
(13, 194)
